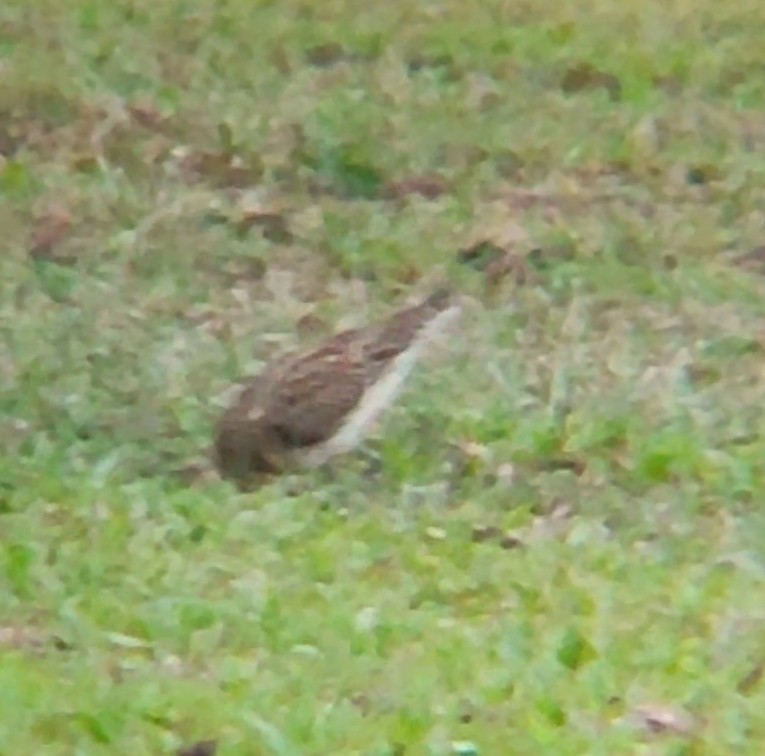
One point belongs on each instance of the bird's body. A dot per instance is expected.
(304, 409)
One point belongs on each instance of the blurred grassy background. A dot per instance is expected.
(562, 551)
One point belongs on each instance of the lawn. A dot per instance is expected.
(561, 546)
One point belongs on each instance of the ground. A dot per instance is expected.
(561, 547)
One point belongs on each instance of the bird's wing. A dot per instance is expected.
(316, 394)
(394, 336)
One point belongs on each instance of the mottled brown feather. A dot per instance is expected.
(301, 400)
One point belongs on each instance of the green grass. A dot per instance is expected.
(185, 188)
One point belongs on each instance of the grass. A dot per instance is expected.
(562, 551)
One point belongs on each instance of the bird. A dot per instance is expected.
(304, 408)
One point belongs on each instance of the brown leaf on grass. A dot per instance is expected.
(484, 533)
(751, 679)
(583, 76)
(49, 229)
(509, 541)
(84, 161)
(327, 54)
(146, 115)
(577, 190)
(430, 186)
(273, 226)
(407, 273)
(566, 463)
(60, 644)
(362, 702)
(658, 719)
(221, 168)
(500, 263)
(200, 748)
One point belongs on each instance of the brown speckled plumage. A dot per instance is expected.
(300, 409)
